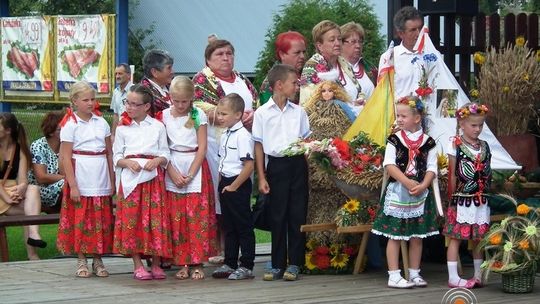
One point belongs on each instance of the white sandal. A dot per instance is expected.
(418, 281)
(401, 283)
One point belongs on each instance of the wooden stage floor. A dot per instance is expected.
(53, 281)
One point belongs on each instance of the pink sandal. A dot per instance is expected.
(141, 274)
(468, 284)
(158, 273)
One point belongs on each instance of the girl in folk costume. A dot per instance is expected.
(86, 219)
(140, 154)
(190, 193)
(408, 212)
(467, 217)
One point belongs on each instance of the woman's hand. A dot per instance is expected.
(177, 178)
(20, 190)
(247, 119)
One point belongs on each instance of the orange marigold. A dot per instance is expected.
(495, 239)
(523, 209)
(523, 244)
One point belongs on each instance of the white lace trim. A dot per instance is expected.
(400, 204)
(473, 214)
(404, 237)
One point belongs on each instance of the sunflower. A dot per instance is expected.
(310, 261)
(351, 206)
(520, 41)
(334, 249)
(506, 89)
(311, 244)
(479, 58)
(474, 93)
(339, 261)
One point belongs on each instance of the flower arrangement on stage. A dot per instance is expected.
(354, 212)
(356, 162)
(333, 259)
(424, 88)
(513, 244)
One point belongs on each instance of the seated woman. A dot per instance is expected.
(16, 196)
(45, 172)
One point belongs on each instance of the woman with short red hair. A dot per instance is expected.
(290, 49)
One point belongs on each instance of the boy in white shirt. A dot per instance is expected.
(276, 125)
(235, 168)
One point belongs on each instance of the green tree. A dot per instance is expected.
(488, 7)
(302, 15)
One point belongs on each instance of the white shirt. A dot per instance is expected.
(276, 129)
(390, 153)
(182, 138)
(236, 146)
(117, 101)
(407, 74)
(239, 87)
(147, 138)
(365, 83)
(86, 135)
(91, 171)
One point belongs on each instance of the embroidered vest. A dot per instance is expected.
(402, 156)
(472, 177)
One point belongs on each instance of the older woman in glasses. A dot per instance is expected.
(352, 38)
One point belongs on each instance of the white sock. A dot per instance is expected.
(394, 275)
(413, 273)
(477, 270)
(453, 276)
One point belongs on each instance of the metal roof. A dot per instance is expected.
(182, 28)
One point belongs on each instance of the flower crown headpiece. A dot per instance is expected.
(412, 102)
(473, 108)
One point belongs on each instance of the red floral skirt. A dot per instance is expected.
(85, 226)
(460, 231)
(142, 220)
(193, 223)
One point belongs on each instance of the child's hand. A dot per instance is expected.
(264, 188)
(133, 165)
(152, 164)
(417, 190)
(75, 194)
(228, 188)
(410, 184)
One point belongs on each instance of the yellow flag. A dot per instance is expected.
(378, 114)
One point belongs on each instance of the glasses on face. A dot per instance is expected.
(359, 42)
(131, 104)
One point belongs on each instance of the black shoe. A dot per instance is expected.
(36, 243)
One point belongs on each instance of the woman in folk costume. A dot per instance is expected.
(327, 64)
(217, 79)
(140, 154)
(408, 213)
(190, 193)
(158, 73)
(86, 219)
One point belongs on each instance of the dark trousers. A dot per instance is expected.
(288, 181)
(237, 223)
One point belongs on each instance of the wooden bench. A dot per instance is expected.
(22, 220)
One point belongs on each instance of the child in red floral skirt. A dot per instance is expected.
(86, 220)
(190, 193)
(469, 177)
(140, 154)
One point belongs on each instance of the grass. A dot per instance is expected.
(31, 120)
(17, 248)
